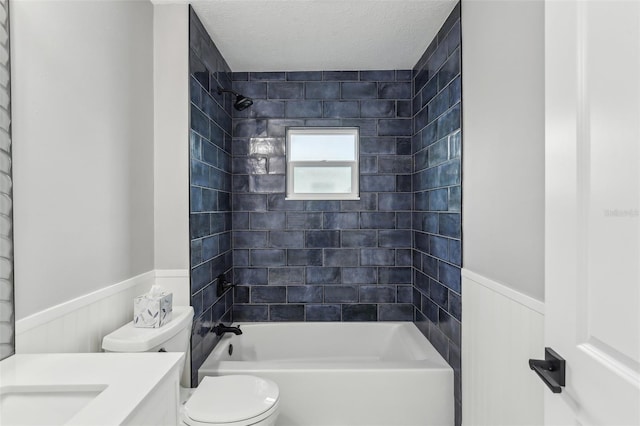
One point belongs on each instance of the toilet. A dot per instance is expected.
(236, 400)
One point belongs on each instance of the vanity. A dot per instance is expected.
(90, 389)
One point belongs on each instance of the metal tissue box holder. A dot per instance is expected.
(152, 310)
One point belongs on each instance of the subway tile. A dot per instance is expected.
(340, 75)
(361, 238)
(304, 75)
(341, 220)
(359, 275)
(449, 326)
(455, 305)
(303, 109)
(395, 312)
(267, 257)
(395, 201)
(305, 294)
(405, 294)
(367, 201)
(276, 127)
(395, 127)
(277, 202)
(394, 238)
(377, 220)
(286, 90)
(266, 147)
(267, 183)
(455, 252)
(394, 275)
(449, 70)
(359, 90)
(268, 294)
(394, 90)
(403, 183)
(377, 145)
(322, 90)
(267, 220)
(367, 126)
(304, 257)
(430, 309)
(359, 312)
(322, 239)
(340, 294)
(322, 205)
(276, 165)
(322, 275)
(438, 247)
(449, 224)
(378, 75)
(322, 312)
(241, 294)
(341, 109)
(449, 276)
(249, 239)
(249, 313)
(267, 76)
(266, 109)
(377, 257)
(438, 200)
(249, 128)
(304, 220)
(377, 294)
(404, 75)
(250, 276)
(288, 312)
(377, 109)
(404, 257)
(240, 258)
(404, 109)
(286, 275)
(377, 183)
(368, 164)
(439, 294)
(240, 220)
(286, 239)
(340, 257)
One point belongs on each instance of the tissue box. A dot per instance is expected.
(152, 311)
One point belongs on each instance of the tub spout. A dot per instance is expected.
(221, 329)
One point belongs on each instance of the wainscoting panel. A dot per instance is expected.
(501, 330)
(80, 324)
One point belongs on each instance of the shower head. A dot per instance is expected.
(241, 103)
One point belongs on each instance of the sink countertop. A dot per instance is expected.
(129, 378)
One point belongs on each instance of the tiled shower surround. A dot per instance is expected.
(393, 255)
(323, 260)
(436, 147)
(210, 189)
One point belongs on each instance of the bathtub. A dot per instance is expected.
(346, 374)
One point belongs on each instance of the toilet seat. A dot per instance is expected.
(237, 400)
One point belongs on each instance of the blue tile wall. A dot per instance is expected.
(210, 189)
(436, 148)
(323, 260)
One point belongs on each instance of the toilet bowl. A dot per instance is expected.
(235, 400)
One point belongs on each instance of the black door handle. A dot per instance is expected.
(551, 370)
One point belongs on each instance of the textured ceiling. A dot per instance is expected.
(302, 35)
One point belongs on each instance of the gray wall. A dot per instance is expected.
(503, 122)
(82, 106)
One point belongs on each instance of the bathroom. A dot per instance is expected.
(108, 86)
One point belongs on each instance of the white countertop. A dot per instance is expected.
(128, 377)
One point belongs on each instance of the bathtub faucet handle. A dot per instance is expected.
(223, 285)
(221, 329)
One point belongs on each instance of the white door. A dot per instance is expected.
(592, 236)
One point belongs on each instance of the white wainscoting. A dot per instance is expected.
(80, 324)
(501, 330)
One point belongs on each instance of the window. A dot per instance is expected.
(322, 163)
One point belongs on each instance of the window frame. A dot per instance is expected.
(355, 164)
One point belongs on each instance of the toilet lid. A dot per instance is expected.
(228, 399)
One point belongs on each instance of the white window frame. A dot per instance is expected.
(355, 164)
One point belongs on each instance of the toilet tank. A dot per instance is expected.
(171, 337)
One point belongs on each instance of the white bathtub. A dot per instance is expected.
(346, 374)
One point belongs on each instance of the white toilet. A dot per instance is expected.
(237, 400)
